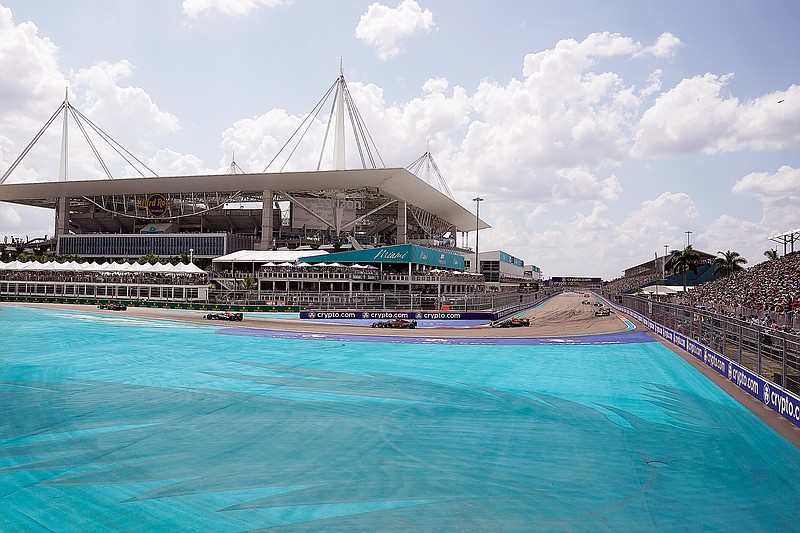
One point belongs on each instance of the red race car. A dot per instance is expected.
(396, 324)
(513, 323)
(113, 306)
(225, 315)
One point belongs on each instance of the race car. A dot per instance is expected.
(396, 324)
(225, 315)
(603, 311)
(113, 306)
(513, 323)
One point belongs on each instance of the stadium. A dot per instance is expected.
(244, 224)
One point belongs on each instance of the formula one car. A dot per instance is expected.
(586, 302)
(396, 324)
(113, 306)
(513, 323)
(603, 311)
(225, 315)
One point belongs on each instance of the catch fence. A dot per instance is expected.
(768, 352)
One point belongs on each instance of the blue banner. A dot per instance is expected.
(394, 315)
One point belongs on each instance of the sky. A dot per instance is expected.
(598, 133)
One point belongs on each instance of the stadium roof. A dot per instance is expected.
(396, 183)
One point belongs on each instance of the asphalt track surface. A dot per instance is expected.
(562, 316)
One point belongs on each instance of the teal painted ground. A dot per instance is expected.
(125, 424)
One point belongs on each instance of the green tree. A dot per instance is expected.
(248, 284)
(149, 258)
(771, 254)
(729, 263)
(683, 261)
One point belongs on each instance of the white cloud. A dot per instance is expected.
(589, 242)
(107, 102)
(665, 46)
(744, 236)
(19, 221)
(687, 118)
(256, 142)
(770, 122)
(31, 86)
(382, 27)
(781, 187)
(694, 116)
(234, 8)
(170, 163)
(779, 195)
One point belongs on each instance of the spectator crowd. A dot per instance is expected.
(768, 292)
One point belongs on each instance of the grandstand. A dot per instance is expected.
(656, 271)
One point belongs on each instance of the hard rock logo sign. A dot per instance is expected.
(156, 204)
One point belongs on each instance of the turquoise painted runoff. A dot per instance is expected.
(116, 423)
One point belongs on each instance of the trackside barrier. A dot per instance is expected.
(278, 308)
(770, 394)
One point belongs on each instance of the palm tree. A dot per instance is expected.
(729, 263)
(771, 254)
(683, 260)
(248, 284)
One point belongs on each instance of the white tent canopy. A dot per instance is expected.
(662, 289)
(71, 266)
(267, 256)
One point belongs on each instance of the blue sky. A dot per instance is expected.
(597, 132)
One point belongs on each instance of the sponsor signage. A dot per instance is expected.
(157, 204)
(776, 398)
(401, 253)
(394, 315)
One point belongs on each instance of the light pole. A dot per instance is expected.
(477, 201)
(687, 238)
(664, 263)
(191, 255)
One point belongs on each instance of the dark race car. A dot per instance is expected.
(513, 323)
(113, 306)
(225, 315)
(603, 311)
(396, 324)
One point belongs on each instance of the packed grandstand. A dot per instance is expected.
(767, 293)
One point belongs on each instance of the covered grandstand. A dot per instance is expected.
(207, 216)
(170, 216)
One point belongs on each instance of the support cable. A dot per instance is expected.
(27, 149)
